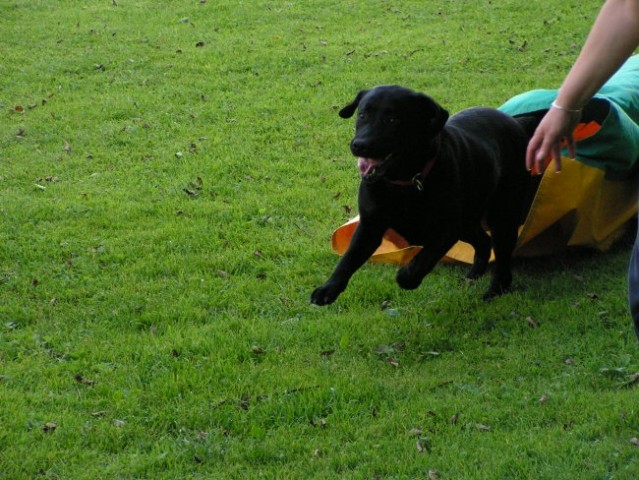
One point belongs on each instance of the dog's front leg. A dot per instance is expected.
(366, 239)
(410, 276)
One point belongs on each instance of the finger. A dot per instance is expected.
(531, 153)
(556, 154)
(544, 151)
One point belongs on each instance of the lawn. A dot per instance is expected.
(170, 175)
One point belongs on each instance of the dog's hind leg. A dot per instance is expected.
(410, 276)
(480, 241)
(504, 239)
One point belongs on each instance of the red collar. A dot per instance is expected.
(419, 177)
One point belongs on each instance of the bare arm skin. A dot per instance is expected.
(612, 39)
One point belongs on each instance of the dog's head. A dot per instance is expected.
(393, 124)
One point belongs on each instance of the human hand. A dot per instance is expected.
(553, 132)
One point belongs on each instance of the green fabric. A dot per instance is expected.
(615, 148)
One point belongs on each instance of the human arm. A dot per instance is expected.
(612, 39)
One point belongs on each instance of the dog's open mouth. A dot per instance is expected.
(367, 166)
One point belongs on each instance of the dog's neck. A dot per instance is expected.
(417, 179)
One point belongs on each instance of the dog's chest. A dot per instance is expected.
(412, 213)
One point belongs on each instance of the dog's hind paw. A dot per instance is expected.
(407, 280)
(494, 292)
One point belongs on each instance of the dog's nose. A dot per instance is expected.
(359, 147)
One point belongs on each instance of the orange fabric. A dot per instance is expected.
(581, 132)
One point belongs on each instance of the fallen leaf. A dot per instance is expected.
(453, 419)
(415, 432)
(20, 134)
(393, 362)
(543, 398)
(101, 413)
(118, 423)
(84, 380)
(318, 423)
(531, 322)
(244, 402)
(49, 427)
(433, 475)
(635, 441)
(634, 380)
(257, 350)
(592, 296)
(482, 428)
(19, 108)
(423, 445)
(67, 147)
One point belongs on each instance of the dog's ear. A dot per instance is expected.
(437, 115)
(439, 118)
(349, 110)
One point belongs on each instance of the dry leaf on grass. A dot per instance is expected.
(423, 445)
(49, 427)
(84, 380)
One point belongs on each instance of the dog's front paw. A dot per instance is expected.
(407, 280)
(326, 294)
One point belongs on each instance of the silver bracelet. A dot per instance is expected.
(559, 107)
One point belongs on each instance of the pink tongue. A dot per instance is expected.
(366, 165)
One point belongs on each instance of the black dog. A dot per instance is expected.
(435, 181)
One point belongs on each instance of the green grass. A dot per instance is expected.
(165, 213)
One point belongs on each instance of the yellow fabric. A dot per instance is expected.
(576, 207)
